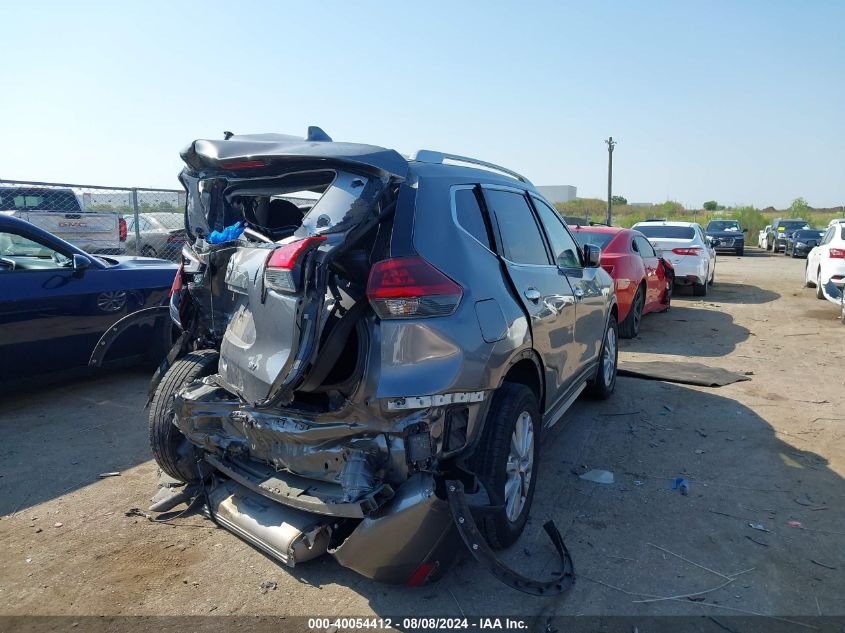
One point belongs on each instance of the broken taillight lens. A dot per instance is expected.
(177, 281)
(410, 287)
(280, 273)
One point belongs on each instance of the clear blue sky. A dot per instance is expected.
(743, 102)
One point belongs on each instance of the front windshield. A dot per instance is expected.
(723, 225)
(792, 226)
(808, 235)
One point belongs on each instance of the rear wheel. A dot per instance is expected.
(174, 454)
(602, 386)
(699, 290)
(148, 251)
(630, 325)
(506, 461)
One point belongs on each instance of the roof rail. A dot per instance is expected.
(438, 158)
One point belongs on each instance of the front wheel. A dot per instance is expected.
(740, 251)
(807, 282)
(604, 382)
(819, 291)
(506, 462)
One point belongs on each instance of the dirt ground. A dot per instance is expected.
(768, 451)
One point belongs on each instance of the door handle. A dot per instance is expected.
(532, 294)
(579, 293)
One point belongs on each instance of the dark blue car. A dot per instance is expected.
(62, 309)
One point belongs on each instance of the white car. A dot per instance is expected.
(763, 235)
(684, 245)
(826, 264)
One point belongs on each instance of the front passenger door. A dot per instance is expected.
(590, 287)
(542, 288)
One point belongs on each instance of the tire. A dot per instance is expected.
(601, 387)
(699, 290)
(630, 326)
(819, 291)
(807, 282)
(740, 251)
(712, 277)
(768, 244)
(497, 463)
(775, 249)
(172, 451)
(148, 251)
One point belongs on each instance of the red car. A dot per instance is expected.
(644, 281)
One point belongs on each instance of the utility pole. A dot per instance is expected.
(610, 145)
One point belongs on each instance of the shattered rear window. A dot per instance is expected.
(307, 202)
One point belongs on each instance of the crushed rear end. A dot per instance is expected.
(296, 454)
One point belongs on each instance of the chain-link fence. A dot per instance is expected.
(102, 220)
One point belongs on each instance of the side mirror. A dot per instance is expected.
(80, 263)
(592, 255)
(745, 230)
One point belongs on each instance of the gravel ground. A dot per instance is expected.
(767, 451)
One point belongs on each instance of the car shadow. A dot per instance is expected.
(60, 437)
(728, 292)
(739, 472)
(694, 332)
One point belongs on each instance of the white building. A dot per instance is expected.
(558, 193)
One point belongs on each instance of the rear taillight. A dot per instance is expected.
(410, 287)
(687, 251)
(836, 253)
(281, 271)
(177, 281)
(121, 228)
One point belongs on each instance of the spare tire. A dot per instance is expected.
(174, 454)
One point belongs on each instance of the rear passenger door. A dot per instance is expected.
(541, 286)
(590, 293)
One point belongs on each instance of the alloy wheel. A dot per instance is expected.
(609, 356)
(520, 466)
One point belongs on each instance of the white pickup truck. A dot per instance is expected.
(59, 212)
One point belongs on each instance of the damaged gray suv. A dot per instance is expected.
(372, 347)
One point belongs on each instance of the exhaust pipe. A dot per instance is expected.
(288, 535)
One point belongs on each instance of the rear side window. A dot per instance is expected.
(468, 214)
(518, 230)
(643, 247)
